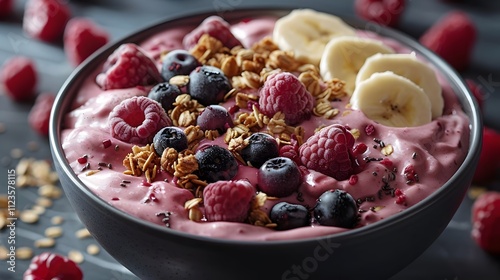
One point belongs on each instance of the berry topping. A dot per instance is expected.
(19, 78)
(46, 19)
(208, 85)
(215, 164)
(289, 216)
(336, 208)
(82, 37)
(291, 150)
(214, 26)
(5, 7)
(283, 92)
(383, 12)
(128, 66)
(488, 165)
(215, 117)
(486, 221)
(39, 114)
(259, 148)
(329, 151)
(165, 94)
(137, 120)
(410, 174)
(279, 177)
(170, 137)
(178, 62)
(453, 38)
(228, 201)
(52, 266)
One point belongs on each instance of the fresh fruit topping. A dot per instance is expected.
(19, 78)
(178, 62)
(291, 150)
(228, 201)
(329, 151)
(128, 66)
(39, 115)
(259, 148)
(215, 117)
(137, 120)
(5, 8)
(170, 137)
(488, 166)
(392, 100)
(383, 12)
(477, 92)
(52, 266)
(305, 32)
(359, 149)
(410, 67)
(289, 216)
(46, 19)
(216, 164)
(344, 56)
(214, 26)
(284, 92)
(165, 94)
(336, 208)
(410, 174)
(279, 177)
(208, 85)
(452, 37)
(82, 37)
(486, 221)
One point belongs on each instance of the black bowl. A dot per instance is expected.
(376, 251)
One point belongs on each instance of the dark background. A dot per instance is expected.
(452, 256)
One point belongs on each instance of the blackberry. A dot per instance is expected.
(178, 62)
(170, 137)
(165, 94)
(215, 164)
(336, 208)
(289, 216)
(261, 147)
(208, 85)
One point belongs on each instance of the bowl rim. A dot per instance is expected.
(61, 108)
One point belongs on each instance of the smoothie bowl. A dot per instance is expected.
(269, 144)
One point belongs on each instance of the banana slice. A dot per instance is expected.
(306, 32)
(392, 100)
(408, 66)
(344, 56)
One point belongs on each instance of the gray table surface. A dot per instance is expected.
(452, 256)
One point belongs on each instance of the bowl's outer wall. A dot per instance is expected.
(152, 252)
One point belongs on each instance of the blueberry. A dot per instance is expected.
(336, 208)
(178, 62)
(208, 85)
(279, 176)
(170, 137)
(215, 164)
(165, 94)
(261, 147)
(288, 216)
(215, 117)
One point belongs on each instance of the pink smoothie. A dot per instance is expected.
(436, 150)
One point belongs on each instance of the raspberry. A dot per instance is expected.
(39, 115)
(137, 120)
(52, 266)
(46, 19)
(453, 38)
(283, 92)
(291, 150)
(82, 37)
(128, 66)
(383, 12)
(19, 78)
(228, 201)
(5, 7)
(486, 221)
(329, 151)
(488, 165)
(477, 92)
(214, 26)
